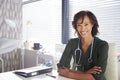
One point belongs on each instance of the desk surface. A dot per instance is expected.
(13, 76)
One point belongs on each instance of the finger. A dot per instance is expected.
(94, 72)
(98, 70)
(96, 67)
(98, 73)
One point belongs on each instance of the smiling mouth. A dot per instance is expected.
(83, 32)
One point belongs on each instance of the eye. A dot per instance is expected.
(78, 25)
(85, 24)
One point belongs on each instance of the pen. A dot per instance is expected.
(51, 75)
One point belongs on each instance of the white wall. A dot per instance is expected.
(42, 22)
(107, 13)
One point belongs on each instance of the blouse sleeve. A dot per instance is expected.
(66, 56)
(102, 59)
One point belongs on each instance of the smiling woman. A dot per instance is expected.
(89, 52)
(107, 12)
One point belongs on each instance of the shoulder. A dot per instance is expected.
(99, 42)
(73, 40)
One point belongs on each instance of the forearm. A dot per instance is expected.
(76, 71)
(77, 75)
(80, 76)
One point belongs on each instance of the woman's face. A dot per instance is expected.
(84, 29)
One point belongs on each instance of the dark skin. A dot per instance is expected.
(84, 30)
(79, 75)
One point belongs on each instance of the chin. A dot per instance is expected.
(84, 36)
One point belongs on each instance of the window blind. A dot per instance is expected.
(107, 13)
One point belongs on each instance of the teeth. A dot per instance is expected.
(83, 33)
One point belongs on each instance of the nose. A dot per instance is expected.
(82, 28)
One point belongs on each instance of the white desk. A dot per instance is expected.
(13, 76)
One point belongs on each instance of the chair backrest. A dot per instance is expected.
(59, 48)
(112, 63)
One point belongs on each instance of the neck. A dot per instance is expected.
(87, 40)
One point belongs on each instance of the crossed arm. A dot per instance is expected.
(79, 75)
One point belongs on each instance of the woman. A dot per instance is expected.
(88, 51)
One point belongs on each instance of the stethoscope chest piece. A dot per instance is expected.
(90, 60)
(79, 51)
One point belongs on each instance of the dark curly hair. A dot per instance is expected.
(92, 18)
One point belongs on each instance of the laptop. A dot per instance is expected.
(33, 71)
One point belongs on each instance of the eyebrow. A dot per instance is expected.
(83, 22)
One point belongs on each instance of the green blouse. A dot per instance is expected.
(99, 56)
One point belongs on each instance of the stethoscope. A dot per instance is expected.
(78, 50)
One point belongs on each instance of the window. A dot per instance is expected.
(107, 13)
(42, 22)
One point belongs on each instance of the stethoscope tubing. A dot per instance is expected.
(78, 49)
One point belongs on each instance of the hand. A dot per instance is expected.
(64, 71)
(94, 70)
